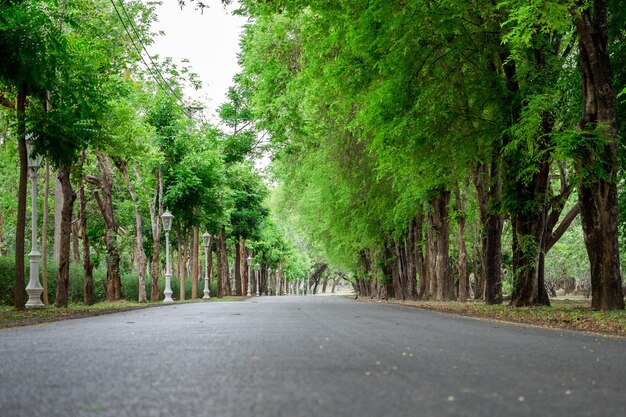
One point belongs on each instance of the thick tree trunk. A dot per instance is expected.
(105, 203)
(460, 218)
(20, 246)
(87, 264)
(597, 193)
(156, 209)
(530, 230)
(441, 225)
(63, 275)
(487, 181)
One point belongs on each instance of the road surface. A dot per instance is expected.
(305, 357)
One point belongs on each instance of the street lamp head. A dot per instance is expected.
(167, 220)
(249, 260)
(34, 160)
(206, 238)
(257, 266)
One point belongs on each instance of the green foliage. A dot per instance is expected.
(75, 291)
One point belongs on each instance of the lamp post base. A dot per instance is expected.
(34, 288)
(207, 292)
(34, 298)
(168, 289)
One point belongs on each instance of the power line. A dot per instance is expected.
(136, 32)
(150, 69)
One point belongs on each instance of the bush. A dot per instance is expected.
(7, 281)
(130, 283)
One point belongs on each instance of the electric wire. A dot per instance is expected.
(138, 37)
(150, 69)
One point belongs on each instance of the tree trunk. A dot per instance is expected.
(411, 263)
(391, 261)
(220, 271)
(75, 241)
(140, 254)
(180, 270)
(156, 209)
(530, 228)
(399, 252)
(87, 264)
(462, 267)
(325, 283)
(44, 235)
(58, 206)
(20, 237)
(63, 275)
(488, 183)
(223, 283)
(420, 262)
(3, 240)
(105, 203)
(279, 279)
(597, 168)
(239, 253)
(263, 282)
(431, 256)
(245, 253)
(441, 225)
(195, 246)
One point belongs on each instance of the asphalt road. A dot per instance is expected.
(305, 356)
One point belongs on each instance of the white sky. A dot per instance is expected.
(210, 40)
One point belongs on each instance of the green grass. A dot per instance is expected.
(563, 314)
(10, 317)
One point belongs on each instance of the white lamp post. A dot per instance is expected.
(206, 240)
(249, 294)
(34, 288)
(167, 225)
(269, 287)
(257, 270)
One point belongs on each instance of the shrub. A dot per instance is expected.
(130, 283)
(7, 281)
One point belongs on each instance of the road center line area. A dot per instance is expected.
(305, 356)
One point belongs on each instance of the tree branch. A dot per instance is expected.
(565, 224)
(93, 180)
(5, 102)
